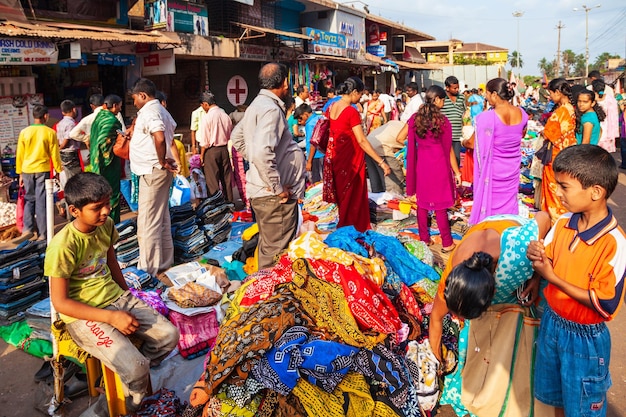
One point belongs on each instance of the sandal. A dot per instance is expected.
(449, 248)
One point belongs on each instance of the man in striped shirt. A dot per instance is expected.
(453, 109)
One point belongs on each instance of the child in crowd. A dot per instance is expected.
(199, 189)
(589, 114)
(37, 145)
(88, 289)
(583, 258)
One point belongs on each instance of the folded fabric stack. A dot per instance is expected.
(21, 279)
(127, 247)
(327, 213)
(38, 319)
(214, 216)
(190, 241)
(138, 279)
(333, 328)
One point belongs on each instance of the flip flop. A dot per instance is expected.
(450, 249)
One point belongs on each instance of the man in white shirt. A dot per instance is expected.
(388, 102)
(151, 159)
(302, 95)
(412, 90)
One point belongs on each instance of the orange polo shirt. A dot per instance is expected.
(594, 260)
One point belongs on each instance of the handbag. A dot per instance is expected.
(497, 379)
(121, 147)
(544, 154)
(321, 133)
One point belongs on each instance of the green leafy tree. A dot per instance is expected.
(568, 61)
(547, 67)
(601, 60)
(513, 59)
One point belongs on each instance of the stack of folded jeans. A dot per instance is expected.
(38, 319)
(189, 241)
(127, 246)
(138, 279)
(214, 216)
(21, 279)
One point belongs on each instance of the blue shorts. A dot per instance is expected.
(572, 365)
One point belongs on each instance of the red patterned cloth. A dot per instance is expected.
(264, 281)
(370, 307)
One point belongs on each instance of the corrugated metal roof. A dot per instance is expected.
(55, 30)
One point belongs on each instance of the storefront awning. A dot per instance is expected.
(70, 31)
(412, 65)
(413, 55)
(263, 31)
(330, 58)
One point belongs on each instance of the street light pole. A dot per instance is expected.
(518, 14)
(586, 9)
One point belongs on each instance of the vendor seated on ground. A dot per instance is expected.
(88, 289)
(482, 271)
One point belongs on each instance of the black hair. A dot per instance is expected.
(300, 89)
(378, 91)
(470, 286)
(428, 117)
(502, 88)
(413, 86)
(451, 80)
(561, 85)
(349, 85)
(302, 109)
(161, 96)
(272, 75)
(596, 107)
(86, 188)
(96, 100)
(588, 164)
(67, 106)
(598, 86)
(39, 111)
(595, 74)
(208, 97)
(111, 100)
(144, 85)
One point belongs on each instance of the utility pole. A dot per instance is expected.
(558, 50)
(518, 14)
(586, 10)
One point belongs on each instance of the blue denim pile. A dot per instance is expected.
(190, 241)
(21, 279)
(138, 279)
(127, 246)
(214, 217)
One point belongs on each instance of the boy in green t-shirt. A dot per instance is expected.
(88, 289)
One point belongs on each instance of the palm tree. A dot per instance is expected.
(515, 59)
(547, 67)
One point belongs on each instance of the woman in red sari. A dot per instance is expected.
(344, 162)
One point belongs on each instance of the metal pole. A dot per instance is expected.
(518, 14)
(586, 42)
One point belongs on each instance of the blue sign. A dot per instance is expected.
(377, 50)
(325, 43)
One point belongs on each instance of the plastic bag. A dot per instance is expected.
(181, 191)
(19, 213)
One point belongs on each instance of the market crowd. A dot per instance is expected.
(362, 331)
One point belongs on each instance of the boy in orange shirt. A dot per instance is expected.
(583, 258)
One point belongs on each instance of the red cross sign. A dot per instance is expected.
(237, 90)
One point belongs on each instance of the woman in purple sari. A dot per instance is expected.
(497, 156)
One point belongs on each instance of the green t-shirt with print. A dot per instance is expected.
(82, 258)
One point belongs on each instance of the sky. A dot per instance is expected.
(492, 22)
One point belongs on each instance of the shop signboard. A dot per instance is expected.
(24, 51)
(353, 28)
(186, 17)
(158, 63)
(377, 50)
(254, 52)
(16, 115)
(325, 43)
(237, 90)
(155, 14)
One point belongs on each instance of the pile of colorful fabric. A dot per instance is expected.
(336, 327)
(326, 214)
